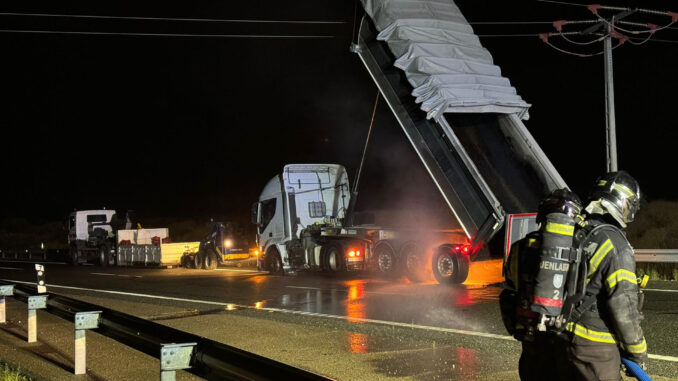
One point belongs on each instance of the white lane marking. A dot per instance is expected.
(121, 275)
(10, 268)
(315, 314)
(30, 263)
(242, 270)
(658, 290)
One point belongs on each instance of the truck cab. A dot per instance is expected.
(295, 209)
(91, 233)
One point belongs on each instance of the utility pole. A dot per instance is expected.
(610, 122)
(611, 128)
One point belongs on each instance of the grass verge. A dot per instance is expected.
(11, 373)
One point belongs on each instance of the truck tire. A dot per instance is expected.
(333, 259)
(273, 262)
(197, 260)
(413, 261)
(449, 267)
(386, 262)
(210, 261)
(187, 262)
(73, 255)
(104, 256)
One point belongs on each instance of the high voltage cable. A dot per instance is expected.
(162, 34)
(171, 18)
(528, 22)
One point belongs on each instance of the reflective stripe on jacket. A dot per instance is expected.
(611, 277)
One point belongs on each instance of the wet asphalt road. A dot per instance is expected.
(470, 309)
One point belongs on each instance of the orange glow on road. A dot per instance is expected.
(468, 359)
(355, 311)
(355, 305)
(485, 272)
(357, 342)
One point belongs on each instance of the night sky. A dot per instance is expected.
(195, 126)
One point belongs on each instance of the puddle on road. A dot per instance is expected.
(447, 363)
(484, 273)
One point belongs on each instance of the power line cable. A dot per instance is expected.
(148, 18)
(162, 34)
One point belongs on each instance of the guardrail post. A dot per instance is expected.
(83, 322)
(5, 291)
(175, 357)
(40, 270)
(36, 302)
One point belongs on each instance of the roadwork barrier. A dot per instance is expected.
(176, 349)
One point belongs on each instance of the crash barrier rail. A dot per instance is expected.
(23, 255)
(174, 348)
(656, 255)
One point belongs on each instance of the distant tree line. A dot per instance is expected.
(656, 227)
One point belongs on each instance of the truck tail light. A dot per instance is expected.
(464, 249)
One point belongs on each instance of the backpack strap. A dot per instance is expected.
(582, 300)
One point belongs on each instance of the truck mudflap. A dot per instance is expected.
(484, 165)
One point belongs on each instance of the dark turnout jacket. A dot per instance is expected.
(614, 318)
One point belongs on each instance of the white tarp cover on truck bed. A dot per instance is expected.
(442, 58)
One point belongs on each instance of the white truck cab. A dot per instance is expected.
(302, 196)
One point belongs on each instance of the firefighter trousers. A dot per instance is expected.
(589, 362)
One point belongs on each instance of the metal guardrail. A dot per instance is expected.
(209, 359)
(656, 255)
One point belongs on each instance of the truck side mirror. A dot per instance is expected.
(256, 216)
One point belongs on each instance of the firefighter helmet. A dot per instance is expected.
(622, 193)
(559, 201)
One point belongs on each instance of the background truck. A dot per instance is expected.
(221, 246)
(107, 239)
(301, 219)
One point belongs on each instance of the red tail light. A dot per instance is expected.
(357, 253)
(464, 249)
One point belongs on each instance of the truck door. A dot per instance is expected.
(271, 226)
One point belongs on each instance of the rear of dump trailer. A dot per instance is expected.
(462, 118)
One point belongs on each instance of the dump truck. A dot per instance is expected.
(464, 121)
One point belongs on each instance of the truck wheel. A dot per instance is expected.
(197, 261)
(333, 259)
(386, 261)
(413, 260)
(73, 255)
(450, 267)
(210, 261)
(273, 262)
(104, 256)
(186, 262)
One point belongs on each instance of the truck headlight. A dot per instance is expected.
(228, 243)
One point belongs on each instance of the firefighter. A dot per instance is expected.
(609, 320)
(537, 357)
